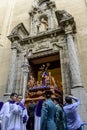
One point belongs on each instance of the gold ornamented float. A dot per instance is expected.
(36, 89)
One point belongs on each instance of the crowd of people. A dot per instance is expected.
(48, 114)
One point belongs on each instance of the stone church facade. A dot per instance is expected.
(52, 37)
(52, 32)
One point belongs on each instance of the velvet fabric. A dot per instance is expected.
(11, 102)
(1, 105)
(38, 108)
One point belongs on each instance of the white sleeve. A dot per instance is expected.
(6, 110)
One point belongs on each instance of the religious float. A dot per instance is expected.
(37, 88)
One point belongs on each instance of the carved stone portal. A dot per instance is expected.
(50, 40)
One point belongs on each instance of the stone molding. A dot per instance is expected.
(66, 21)
(16, 45)
(18, 33)
(25, 66)
(42, 1)
(44, 9)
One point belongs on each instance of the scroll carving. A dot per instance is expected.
(66, 21)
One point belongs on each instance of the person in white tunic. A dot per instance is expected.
(38, 115)
(22, 117)
(8, 113)
(25, 115)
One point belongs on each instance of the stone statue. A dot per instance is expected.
(43, 26)
(68, 27)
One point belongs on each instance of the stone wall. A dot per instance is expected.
(13, 12)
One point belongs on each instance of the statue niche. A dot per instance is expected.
(43, 25)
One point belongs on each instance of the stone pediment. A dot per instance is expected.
(19, 32)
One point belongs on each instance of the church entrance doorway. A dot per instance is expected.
(36, 82)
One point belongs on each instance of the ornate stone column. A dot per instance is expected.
(18, 75)
(65, 70)
(73, 58)
(74, 64)
(67, 24)
(25, 68)
(12, 72)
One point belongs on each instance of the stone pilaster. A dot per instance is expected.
(18, 79)
(67, 24)
(25, 68)
(12, 72)
(65, 71)
(73, 61)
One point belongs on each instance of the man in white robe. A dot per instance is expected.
(22, 117)
(13, 114)
(8, 113)
(25, 115)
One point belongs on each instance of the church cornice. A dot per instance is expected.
(44, 34)
(38, 55)
(24, 39)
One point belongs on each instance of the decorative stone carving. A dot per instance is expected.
(66, 21)
(31, 45)
(41, 46)
(42, 17)
(18, 32)
(62, 15)
(35, 4)
(14, 45)
(42, 1)
(43, 26)
(56, 46)
(51, 4)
